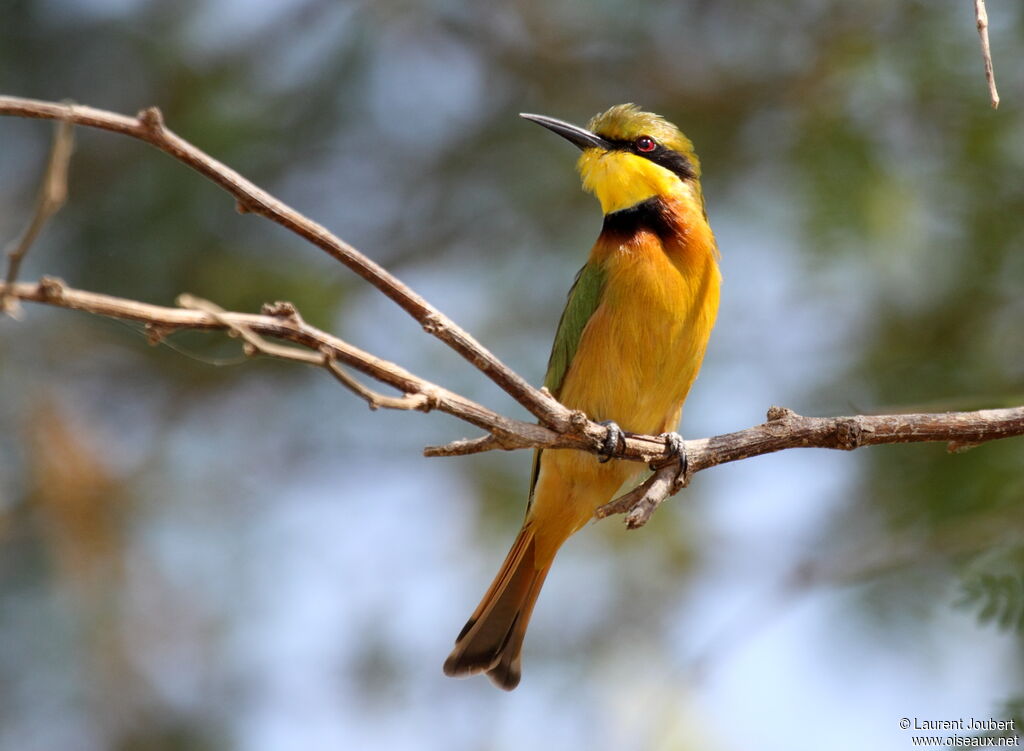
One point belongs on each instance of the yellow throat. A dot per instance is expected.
(620, 179)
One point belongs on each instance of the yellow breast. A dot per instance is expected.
(642, 348)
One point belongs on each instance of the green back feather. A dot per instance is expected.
(584, 297)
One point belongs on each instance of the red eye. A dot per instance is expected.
(646, 144)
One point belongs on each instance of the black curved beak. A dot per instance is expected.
(579, 137)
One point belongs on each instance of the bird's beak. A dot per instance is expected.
(580, 137)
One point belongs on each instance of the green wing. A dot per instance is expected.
(584, 297)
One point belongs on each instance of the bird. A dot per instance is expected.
(628, 347)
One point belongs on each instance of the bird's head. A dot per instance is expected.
(630, 156)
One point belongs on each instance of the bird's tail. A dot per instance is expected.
(491, 640)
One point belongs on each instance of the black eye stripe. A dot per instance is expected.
(671, 160)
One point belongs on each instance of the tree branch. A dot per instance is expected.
(281, 322)
(784, 429)
(149, 126)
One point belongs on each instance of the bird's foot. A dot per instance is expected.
(676, 448)
(614, 443)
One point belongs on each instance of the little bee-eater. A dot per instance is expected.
(628, 348)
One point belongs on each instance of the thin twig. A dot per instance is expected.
(53, 192)
(376, 400)
(640, 503)
(256, 344)
(467, 446)
(981, 18)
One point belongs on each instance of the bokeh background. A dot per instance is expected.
(203, 552)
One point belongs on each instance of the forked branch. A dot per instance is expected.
(149, 126)
(51, 196)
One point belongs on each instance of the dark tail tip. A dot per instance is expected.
(505, 675)
(492, 639)
(454, 668)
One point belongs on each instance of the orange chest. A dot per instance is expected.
(642, 348)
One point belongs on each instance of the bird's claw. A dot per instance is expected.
(675, 447)
(673, 443)
(614, 442)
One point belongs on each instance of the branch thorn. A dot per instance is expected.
(152, 119)
(776, 413)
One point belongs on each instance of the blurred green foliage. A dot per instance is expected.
(849, 146)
